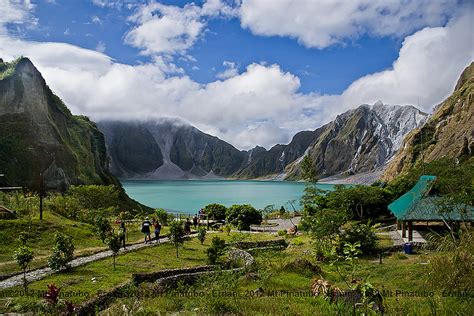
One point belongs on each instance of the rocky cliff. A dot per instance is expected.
(449, 132)
(168, 149)
(38, 134)
(359, 140)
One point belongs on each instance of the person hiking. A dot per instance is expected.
(195, 221)
(122, 232)
(157, 227)
(187, 226)
(146, 229)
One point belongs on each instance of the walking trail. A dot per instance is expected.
(39, 274)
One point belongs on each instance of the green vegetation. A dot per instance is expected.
(177, 235)
(242, 216)
(202, 234)
(23, 256)
(87, 280)
(215, 211)
(114, 245)
(8, 68)
(216, 250)
(63, 252)
(272, 288)
(63, 214)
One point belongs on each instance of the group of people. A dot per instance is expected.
(153, 225)
(147, 227)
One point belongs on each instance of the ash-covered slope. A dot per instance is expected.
(359, 140)
(449, 132)
(38, 134)
(168, 149)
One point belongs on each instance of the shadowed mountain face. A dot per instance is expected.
(38, 134)
(359, 140)
(170, 149)
(449, 132)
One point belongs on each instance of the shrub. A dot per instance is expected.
(363, 233)
(216, 211)
(95, 196)
(63, 252)
(242, 216)
(201, 234)
(114, 245)
(162, 216)
(23, 257)
(282, 232)
(102, 227)
(176, 235)
(216, 250)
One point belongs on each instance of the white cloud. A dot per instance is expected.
(231, 70)
(427, 68)
(100, 47)
(166, 29)
(326, 22)
(17, 12)
(96, 20)
(261, 105)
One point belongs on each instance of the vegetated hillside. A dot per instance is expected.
(38, 134)
(448, 133)
(168, 149)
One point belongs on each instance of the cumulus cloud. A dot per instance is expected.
(262, 104)
(326, 22)
(427, 68)
(230, 71)
(167, 29)
(17, 12)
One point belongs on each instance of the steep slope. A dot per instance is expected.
(359, 140)
(278, 157)
(38, 134)
(173, 150)
(449, 132)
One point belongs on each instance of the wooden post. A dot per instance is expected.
(399, 225)
(410, 231)
(41, 194)
(404, 229)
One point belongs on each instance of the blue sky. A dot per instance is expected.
(252, 72)
(326, 71)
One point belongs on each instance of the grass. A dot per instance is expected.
(79, 281)
(403, 280)
(42, 238)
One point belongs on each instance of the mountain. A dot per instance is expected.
(38, 134)
(359, 140)
(449, 132)
(168, 149)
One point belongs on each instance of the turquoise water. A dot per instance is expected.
(188, 196)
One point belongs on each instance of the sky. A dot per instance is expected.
(252, 72)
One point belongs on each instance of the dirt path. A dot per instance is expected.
(280, 224)
(44, 272)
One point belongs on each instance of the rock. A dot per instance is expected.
(302, 266)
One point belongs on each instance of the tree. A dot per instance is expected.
(114, 245)
(63, 252)
(176, 235)
(23, 257)
(243, 216)
(307, 169)
(201, 234)
(215, 250)
(102, 227)
(162, 216)
(215, 211)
